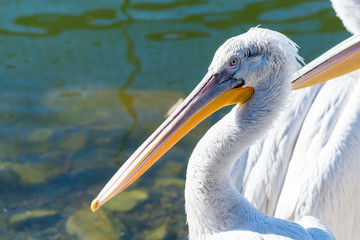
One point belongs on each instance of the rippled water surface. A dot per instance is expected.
(83, 83)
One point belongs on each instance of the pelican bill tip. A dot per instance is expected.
(94, 205)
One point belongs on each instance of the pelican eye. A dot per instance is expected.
(233, 62)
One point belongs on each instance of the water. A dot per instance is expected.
(82, 84)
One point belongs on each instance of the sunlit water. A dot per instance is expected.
(83, 83)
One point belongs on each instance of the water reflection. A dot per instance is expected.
(176, 35)
(126, 99)
(84, 83)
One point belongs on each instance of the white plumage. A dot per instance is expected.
(309, 163)
(348, 11)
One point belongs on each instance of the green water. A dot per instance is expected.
(83, 83)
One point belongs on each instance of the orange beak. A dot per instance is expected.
(341, 59)
(210, 95)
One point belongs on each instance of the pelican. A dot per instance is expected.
(252, 71)
(308, 163)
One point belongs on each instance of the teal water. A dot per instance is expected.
(83, 83)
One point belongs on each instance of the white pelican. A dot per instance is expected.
(252, 71)
(309, 162)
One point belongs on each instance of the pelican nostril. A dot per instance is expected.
(238, 82)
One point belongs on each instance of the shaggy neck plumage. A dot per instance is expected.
(212, 203)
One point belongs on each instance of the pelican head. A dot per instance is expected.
(259, 60)
(252, 57)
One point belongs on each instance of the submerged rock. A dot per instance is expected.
(33, 172)
(85, 224)
(40, 135)
(74, 142)
(168, 181)
(158, 233)
(24, 216)
(171, 169)
(127, 200)
(102, 108)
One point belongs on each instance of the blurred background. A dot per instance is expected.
(83, 83)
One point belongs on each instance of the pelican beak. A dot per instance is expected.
(341, 59)
(212, 93)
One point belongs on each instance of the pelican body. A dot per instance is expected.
(308, 163)
(251, 71)
(215, 209)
